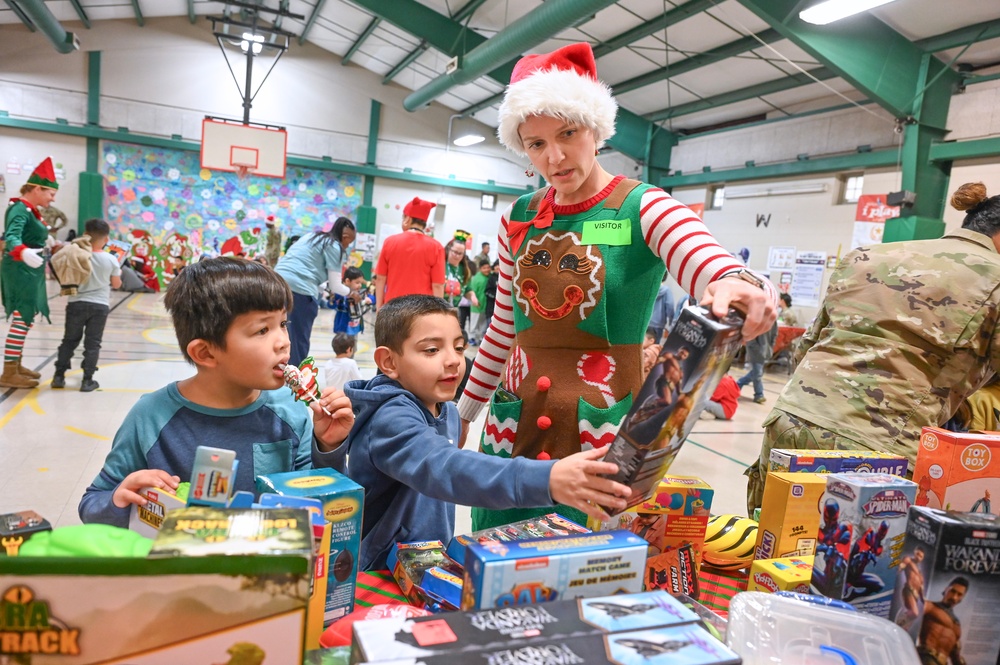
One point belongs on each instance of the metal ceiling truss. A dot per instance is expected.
(311, 21)
(39, 15)
(138, 13)
(461, 15)
(365, 34)
(21, 15)
(191, 15)
(79, 12)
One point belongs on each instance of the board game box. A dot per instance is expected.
(695, 355)
(948, 585)
(836, 461)
(476, 630)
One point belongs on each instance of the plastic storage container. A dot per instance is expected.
(766, 629)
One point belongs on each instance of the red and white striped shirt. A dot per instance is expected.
(671, 230)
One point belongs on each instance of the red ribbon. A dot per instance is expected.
(516, 231)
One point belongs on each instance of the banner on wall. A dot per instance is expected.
(870, 216)
(698, 209)
(807, 278)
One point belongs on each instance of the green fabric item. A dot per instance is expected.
(487, 519)
(87, 540)
(478, 286)
(182, 491)
(23, 288)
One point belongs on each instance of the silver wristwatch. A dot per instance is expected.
(747, 276)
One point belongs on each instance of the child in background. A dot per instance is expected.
(338, 371)
(402, 448)
(229, 315)
(478, 284)
(759, 351)
(87, 311)
(491, 293)
(353, 279)
(723, 402)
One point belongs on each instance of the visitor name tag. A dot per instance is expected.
(607, 232)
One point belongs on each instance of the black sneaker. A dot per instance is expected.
(58, 381)
(89, 385)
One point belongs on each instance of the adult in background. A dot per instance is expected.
(410, 263)
(458, 282)
(22, 271)
(484, 255)
(906, 332)
(663, 316)
(581, 262)
(316, 257)
(272, 241)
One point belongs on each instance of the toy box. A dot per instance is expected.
(389, 639)
(862, 526)
(837, 461)
(687, 644)
(212, 476)
(675, 515)
(147, 520)
(546, 526)
(695, 355)
(343, 503)
(958, 471)
(427, 576)
(789, 515)
(17, 528)
(232, 609)
(784, 574)
(949, 577)
(532, 571)
(205, 531)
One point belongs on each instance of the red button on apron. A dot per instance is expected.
(544, 456)
(543, 383)
(544, 422)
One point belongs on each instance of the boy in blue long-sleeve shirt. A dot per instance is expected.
(229, 315)
(402, 448)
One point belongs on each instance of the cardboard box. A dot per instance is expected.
(789, 515)
(533, 571)
(147, 520)
(837, 461)
(860, 538)
(950, 559)
(546, 526)
(785, 574)
(17, 528)
(477, 630)
(152, 611)
(688, 644)
(412, 566)
(695, 355)
(958, 471)
(343, 505)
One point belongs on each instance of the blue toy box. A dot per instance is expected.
(499, 574)
(343, 506)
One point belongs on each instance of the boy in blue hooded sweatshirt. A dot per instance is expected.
(402, 447)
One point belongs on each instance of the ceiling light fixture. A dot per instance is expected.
(468, 132)
(834, 10)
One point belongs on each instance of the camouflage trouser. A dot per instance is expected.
(783, 430)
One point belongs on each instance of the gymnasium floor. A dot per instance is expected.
(53, 442)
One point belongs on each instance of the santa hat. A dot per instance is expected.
(562, 84)
(44, 175)
(418, 209)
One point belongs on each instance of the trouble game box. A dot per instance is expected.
(837, 461)
(695, 355)
(451, 632)
(958, 471)
(860, 538)
(687, 644)
(532, 571)
(948, 578)
(343, 502)
(789, 515)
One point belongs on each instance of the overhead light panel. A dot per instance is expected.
(834, 10)
(464, 132)
(468, 139)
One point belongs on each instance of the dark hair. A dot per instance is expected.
(342, 343)
(96, 227)
(651, 332)
(486, 244)
(353, 273)
(785, 298)
(484, 263)
(204, 298)
(422, 223)
(466, 270)
(983, 214)
(394, 320)
(959, 581)
(336, 232)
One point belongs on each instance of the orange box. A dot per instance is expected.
(789, 515)
(958, 471)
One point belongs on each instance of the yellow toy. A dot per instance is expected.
(729, 542)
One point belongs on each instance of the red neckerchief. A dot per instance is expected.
(33, 209)
(516, 231)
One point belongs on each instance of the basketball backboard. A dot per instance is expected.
(228, 145)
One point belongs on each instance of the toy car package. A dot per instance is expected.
(16, 528)
(547, 526)
(427, 576)
(695, 355)
(476, 630)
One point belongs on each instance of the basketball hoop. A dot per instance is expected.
(243, 172)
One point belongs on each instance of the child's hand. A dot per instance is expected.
(333, 418)
(574, 482)
(128, 490)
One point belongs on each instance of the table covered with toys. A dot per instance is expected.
(846, 563)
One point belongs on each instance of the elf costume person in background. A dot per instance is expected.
(580, 265)
(22, 271)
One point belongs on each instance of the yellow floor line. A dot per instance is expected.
(92, 435)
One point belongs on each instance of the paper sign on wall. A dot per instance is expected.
(807, 278)
(781, 258)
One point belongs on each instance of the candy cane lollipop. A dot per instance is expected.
(596, 369)
(303, 385)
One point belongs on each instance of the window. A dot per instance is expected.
(717, 196)
(487, 202)
(851, 189)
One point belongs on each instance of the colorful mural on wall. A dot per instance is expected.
(172, 210)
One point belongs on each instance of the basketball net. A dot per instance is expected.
(243, 172)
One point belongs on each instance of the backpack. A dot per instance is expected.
(71, 265)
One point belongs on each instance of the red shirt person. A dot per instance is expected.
(411, 262)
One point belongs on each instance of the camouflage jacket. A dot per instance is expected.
(906, 332)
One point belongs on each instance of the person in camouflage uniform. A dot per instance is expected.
(272, 251)
(907, 331)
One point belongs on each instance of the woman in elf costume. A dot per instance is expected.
(580, 266)
(22, 271)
